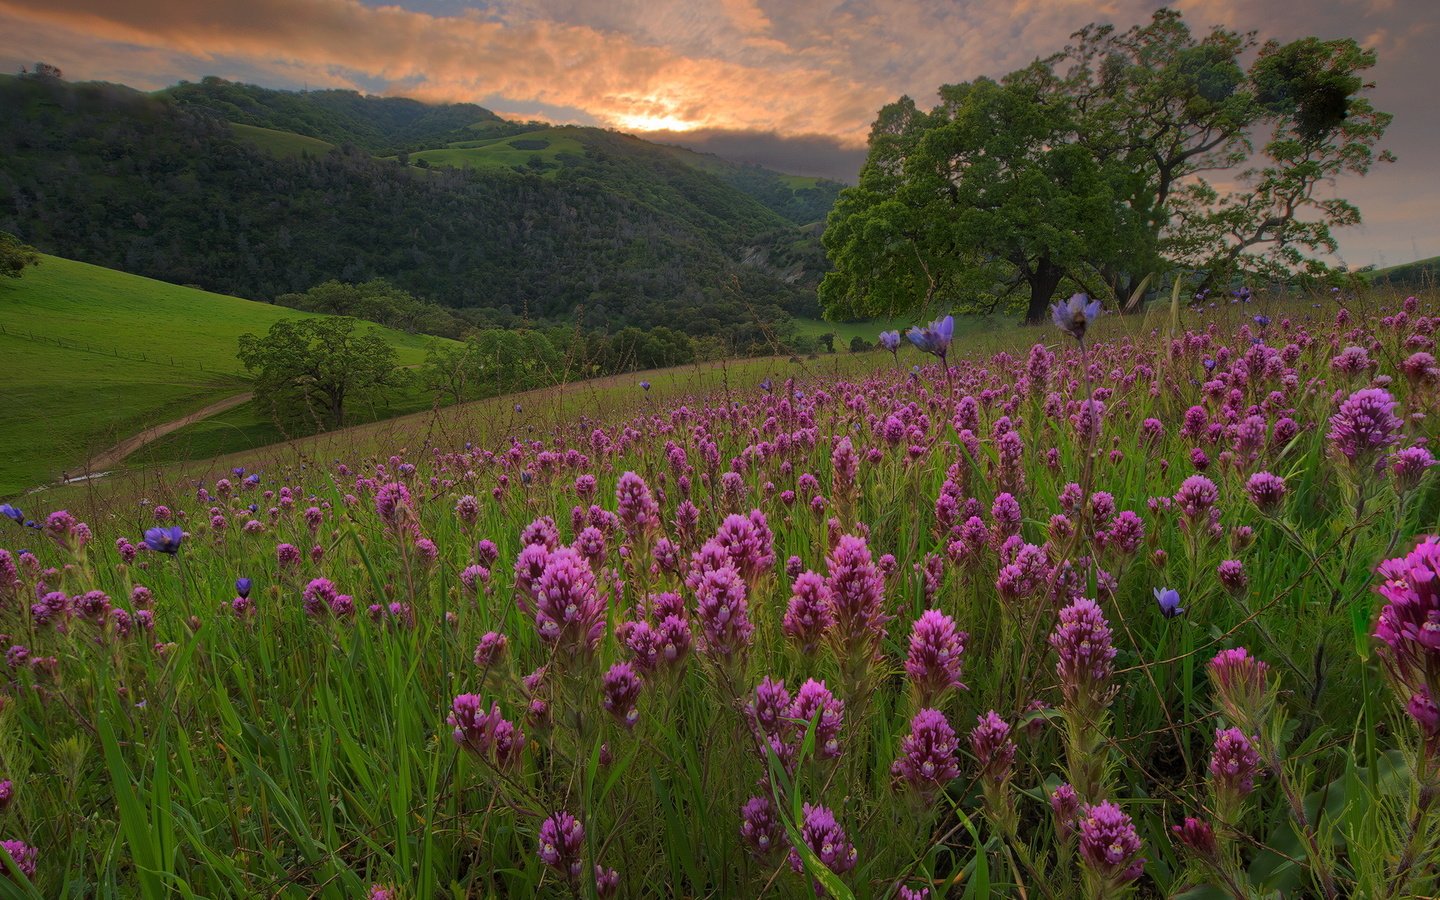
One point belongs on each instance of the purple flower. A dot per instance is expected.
(491, 649)
(824, 836)
(1082, 640)
(724, 613)
(1409, 624)
(1198, 838)
(857, 596)
(1196, 495)
(769, 709)
(392, 504)
(1234, 764)
(808, 616)
(1169, 602)
(638, 511)
(1065, 804)
(487, 735)
(1242, 685)
(1364, 427)
(569, 611)
(1109, 844)
(381, 892)
(163, 539)
(1267, 491)
(620, 691)
(562, 840)
(1232, 575)
(1408, 467)
(936, 656)
(927, 760)
(890, 340)
(1075, 315)
(760, 828)
(934, 338)
(814, 698)
(990, 741)
(23, 855)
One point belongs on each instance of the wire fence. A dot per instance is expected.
(163, 359)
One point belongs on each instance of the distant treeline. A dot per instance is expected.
(149, 185)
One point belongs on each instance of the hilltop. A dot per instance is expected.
(609, 231)
(94, 355)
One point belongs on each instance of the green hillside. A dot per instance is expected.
(281, 143)
(1417, 275)
(94, 355)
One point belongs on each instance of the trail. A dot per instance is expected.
(107, 458)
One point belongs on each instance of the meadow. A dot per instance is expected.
(1107, 608)
(95, 355)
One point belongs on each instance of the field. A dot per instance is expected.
(511, 152)
(94, 355)
(282, 143)
(768, 629)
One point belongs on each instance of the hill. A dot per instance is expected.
(389, 126)
(94, 355)
(1422, 274)
(616, 232)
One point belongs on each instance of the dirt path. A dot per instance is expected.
(107, 458)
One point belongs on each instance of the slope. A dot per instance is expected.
(94, 355)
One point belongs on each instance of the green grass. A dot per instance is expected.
(94, 355)
(282, 143)
(503, 152)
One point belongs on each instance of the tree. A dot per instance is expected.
(15, 256)
(454, 370)
(1172, 108)
(311, 369)
(1092, 169)
(961, 205)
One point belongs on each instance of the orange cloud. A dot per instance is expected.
(613, 77)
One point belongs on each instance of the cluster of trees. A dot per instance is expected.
(379, 301)
(1098, 167)
(307, 372)
(15, 256)
(631, 237)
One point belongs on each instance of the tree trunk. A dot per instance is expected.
(1043, 282)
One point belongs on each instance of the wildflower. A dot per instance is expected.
(569, 612)
(7, 793)
(927, 760)
(637, 509)
(1075, 315)
(1408, 467)
(1232, 575)
(1364, 427)
(936, 656)
(645, 386)
(381, 892)
(242, 587)
(769, 710)
(1169, 602)
(857, 596)
(12, 513)
(1409, 623)
(724, 613)
(1065, 804)
(1266, 490)
(488, 735)
(812, 698)
(1082, 640)
(562, 838)
(760, 828)
(934, 338)
(890, 340)
(824, 836)
(1234, 764)
(23, 855)
(1197, 837)
(1196, 496)
(1109, 844)
(1242, 688)
(491, 649)
(990, 741)
(165, 540)
(620, 689)
(808, 616)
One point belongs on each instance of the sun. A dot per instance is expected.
(655, 123)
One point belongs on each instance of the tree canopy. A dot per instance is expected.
(15, 256)
(1093, 168)
(308, 370)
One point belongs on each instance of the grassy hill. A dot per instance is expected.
(94, 355)
(1417, 275)
(281, 143)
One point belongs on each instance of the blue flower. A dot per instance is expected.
(934, 338)
(767, 385)
(11, 512)
(1209, 364)
(242, 587)
(252, 480)
(1169, 601)
(1262, 320)
(1073, 316)
(644, 385)
(890, 340)
(165, 540)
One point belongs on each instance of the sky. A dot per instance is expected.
(792, 84)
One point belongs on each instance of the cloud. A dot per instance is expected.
(793, 84)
